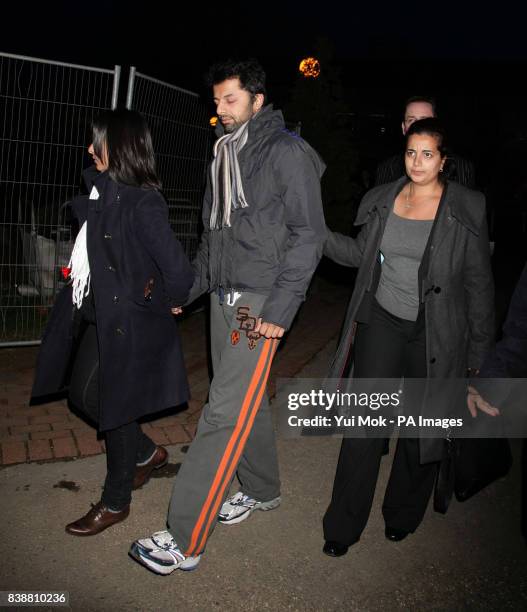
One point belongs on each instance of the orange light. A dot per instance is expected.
(213, 121)
(310, 67)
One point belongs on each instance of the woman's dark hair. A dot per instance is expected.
(250, 73)
(128, 140)
(431, 127)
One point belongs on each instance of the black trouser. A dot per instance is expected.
(126, 445)
(386, 347)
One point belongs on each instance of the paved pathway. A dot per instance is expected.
(51, 431)
(472, 559)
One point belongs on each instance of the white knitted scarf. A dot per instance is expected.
(227, 187)
(80, 267)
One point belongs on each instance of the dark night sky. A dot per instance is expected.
(473, 59)
(176, 41)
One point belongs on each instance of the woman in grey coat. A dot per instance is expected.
(422, 307)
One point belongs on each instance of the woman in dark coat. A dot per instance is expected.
(422, 307)
(121, 346)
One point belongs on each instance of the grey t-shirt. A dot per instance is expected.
(402, 246)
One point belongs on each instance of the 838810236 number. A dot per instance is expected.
(34, 598)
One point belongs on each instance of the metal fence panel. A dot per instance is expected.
(46, 111)
(182, 141)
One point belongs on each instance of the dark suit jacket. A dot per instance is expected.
(509, 357)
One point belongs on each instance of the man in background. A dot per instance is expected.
(458, 169)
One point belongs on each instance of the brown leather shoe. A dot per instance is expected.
(96, 520)
(142, 472)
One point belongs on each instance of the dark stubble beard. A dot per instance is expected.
(229, 129)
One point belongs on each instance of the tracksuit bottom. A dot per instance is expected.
(235, 432)
(386, 347)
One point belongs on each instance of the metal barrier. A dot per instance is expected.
(183, 143)
(44, 131)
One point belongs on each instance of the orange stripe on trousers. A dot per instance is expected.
(230, 446)
(236, 458)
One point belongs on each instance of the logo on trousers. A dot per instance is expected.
(248, 324)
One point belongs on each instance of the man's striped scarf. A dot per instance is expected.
(227, 187)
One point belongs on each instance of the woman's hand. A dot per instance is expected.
(475, 402)
(177, 310)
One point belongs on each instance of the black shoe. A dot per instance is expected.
(395, 535)
(334, 549)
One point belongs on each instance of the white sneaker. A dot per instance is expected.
(159, 539)
(161, 554)
(240, 506)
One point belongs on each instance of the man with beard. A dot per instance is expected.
(262, 240)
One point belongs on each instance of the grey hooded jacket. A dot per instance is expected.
(274, 245)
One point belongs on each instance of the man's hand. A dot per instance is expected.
(177, 310)
(269, 330)
(475, 402)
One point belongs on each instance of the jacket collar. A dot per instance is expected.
(267, 120)
(457, 204)
(107, 188)
(378, 199)
(90, 175)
